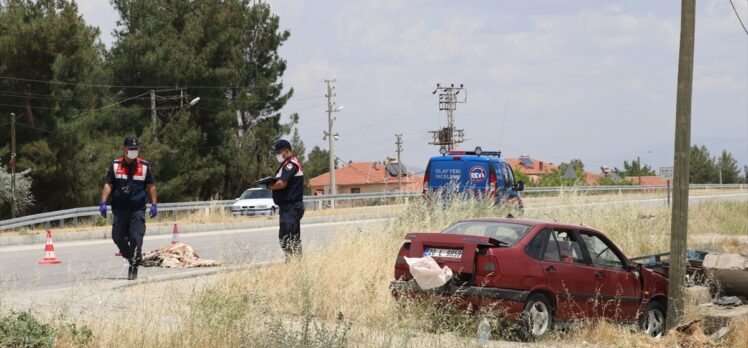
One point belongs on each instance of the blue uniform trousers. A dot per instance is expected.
(128, 230)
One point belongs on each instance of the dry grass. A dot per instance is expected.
(338, 294)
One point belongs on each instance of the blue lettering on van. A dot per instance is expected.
(477, 174)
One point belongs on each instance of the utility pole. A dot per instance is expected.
(448, 137)
(679, 221)
(399, 144)
(13, 165)
(639, 169)
(153, 112)
(331, 138)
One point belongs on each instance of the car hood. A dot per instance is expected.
(254, 202)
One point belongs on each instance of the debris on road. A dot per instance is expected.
(177, 255)
(729, 272)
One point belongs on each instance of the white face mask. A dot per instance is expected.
(280, 158)
(132, 154)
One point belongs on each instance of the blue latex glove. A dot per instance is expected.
(102, 209)
(154, 210)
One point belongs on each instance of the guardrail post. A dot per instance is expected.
(62, 223)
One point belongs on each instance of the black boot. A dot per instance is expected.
(132, 271)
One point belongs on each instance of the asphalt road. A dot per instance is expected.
(87, 261)
(84, 262)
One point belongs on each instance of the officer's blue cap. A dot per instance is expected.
(281, 144)
(131, 143)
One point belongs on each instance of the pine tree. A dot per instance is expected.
(728, 166)
(53, 60)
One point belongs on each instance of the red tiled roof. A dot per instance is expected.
(538, 167)
(591, 179)
(362, 173)
(646, 180)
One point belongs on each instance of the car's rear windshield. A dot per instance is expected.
(503, 231)
(252, 194)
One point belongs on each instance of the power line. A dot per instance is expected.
(737, 15)
(37, 129)
(128, 86)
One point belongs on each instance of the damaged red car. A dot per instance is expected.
(545, 275)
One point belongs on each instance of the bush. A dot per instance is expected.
(22, 329)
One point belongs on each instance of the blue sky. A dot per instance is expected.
(594, 80)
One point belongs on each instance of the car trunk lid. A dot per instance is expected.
(456, 251)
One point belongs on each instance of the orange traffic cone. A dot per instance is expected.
(175, 235)
(49, 252)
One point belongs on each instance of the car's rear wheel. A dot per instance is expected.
(653, 323)
(537, 318)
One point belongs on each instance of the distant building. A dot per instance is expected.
(364, 177)
(531, 167)
(647, 180)
(592, 179)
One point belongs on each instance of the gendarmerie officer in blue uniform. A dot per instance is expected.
(288, 194)
(130, 183)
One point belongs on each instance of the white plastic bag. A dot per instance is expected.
(427, 272)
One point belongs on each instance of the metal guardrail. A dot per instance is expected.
(93, 212)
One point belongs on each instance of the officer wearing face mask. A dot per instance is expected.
(130, 183)
(288, 193)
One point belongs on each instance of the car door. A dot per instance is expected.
(568, 275)
(619, 288)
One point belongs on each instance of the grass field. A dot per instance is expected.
(338, 295)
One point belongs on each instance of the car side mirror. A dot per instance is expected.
(521, 186)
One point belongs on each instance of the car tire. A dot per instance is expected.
(272, 211)
(537, 317)
(653, 322)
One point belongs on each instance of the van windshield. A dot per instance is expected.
(502, 231)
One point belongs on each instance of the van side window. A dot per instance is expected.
(508, 175)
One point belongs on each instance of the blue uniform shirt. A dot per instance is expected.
(129, 183)
(290, 171)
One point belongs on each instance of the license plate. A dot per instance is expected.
(447, 253)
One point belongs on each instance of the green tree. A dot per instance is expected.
(227, 54)
(519, 175)
(298, 146)
(50, 61)
(317, 164)
(23, 194)
(634, 168)
(702, 166)
(728, 166)
(576, 163)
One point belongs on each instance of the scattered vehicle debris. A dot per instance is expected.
(660, 263)
(542, 274)
(728, 301)
(729, 272)
(177, 255)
